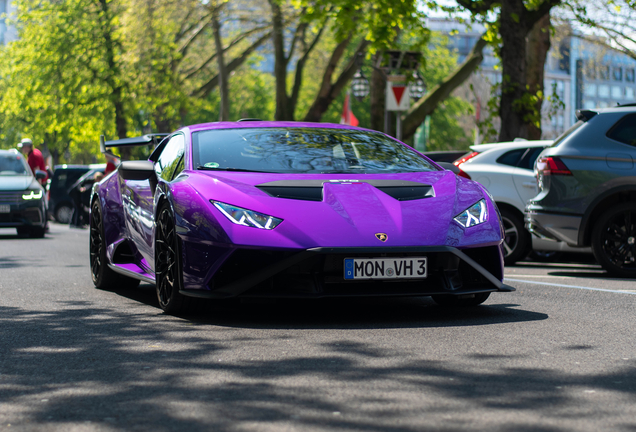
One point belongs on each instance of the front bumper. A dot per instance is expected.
(22, 214)
(554, 226)
(319, 272)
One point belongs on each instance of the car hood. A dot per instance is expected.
(15, 183)
(348, 212)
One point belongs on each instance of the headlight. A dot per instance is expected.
(241, 216)
(474, 215)
(32, 194)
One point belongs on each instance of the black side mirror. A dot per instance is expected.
(137, 170)
(40, 175)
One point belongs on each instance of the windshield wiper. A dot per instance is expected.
(204, 168)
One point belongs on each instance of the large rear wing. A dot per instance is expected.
(148, 139)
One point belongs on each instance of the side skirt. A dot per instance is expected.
(132, 271)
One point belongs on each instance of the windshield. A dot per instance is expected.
(303, 150)
(13, 165)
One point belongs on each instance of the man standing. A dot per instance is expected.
(34, 157)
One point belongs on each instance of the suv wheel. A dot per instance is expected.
(517, 241)
(63, 213)
(614, 240)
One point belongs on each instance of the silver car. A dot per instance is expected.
(507, 171)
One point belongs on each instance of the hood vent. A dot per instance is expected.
(311, 190)
(407, 193)
(305, 193)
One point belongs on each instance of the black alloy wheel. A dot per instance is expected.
(103, 276)
(614, 240)
(460, 301)
(168, 275)
(517, 239)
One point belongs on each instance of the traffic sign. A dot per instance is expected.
(398, 97)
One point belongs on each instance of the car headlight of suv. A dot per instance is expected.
(241, 216)
(33, 194)
(474, 215)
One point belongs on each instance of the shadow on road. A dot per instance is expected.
(82, 364)
(343, 313)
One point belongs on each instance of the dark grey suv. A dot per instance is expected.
(587, 188)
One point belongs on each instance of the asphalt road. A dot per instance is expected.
(556, 355)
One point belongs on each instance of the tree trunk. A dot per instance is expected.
(512, 109)
(329, 90)
(203, 91)
(280, 62)
(377, 94)
(538, 46)
(224, 109)
(113, 75)
(425, 106)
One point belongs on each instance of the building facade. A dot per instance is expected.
(7, 32)
(578, 75)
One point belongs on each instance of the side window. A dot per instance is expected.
(528, 159)
(624, 130)
(169, 163)
(511, 158)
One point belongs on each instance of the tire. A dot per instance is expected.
(456, 301)
(103, 276)
(517, 243)
(168, 273)
(24, 231)
(37, 232)
(614, 240)
(63, 213)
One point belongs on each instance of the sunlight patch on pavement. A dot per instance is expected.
(572, 286)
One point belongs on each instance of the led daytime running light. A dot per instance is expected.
(474, 215)
(241, 216)
(33, 195)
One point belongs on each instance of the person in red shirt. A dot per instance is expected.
(34, 157)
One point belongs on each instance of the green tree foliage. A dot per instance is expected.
(58, 86)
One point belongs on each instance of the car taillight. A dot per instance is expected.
(465, 158)
(464, 174)
(552, 166)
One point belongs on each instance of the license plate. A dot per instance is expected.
(385, 268)
(5, 208)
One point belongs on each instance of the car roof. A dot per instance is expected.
(480, 148)
(10, 151)
(268, 124)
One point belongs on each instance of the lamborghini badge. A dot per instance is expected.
(381, 236)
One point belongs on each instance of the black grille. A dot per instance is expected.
(322, 274)
(11, 196)
(27, 217)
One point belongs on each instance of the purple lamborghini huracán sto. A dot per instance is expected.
(294, 210)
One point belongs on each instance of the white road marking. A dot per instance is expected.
(571, 286)
(548, 276)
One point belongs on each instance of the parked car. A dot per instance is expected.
(64, 176)
(22, 200)
(281, 209)
(587, 188)
(507, 170)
